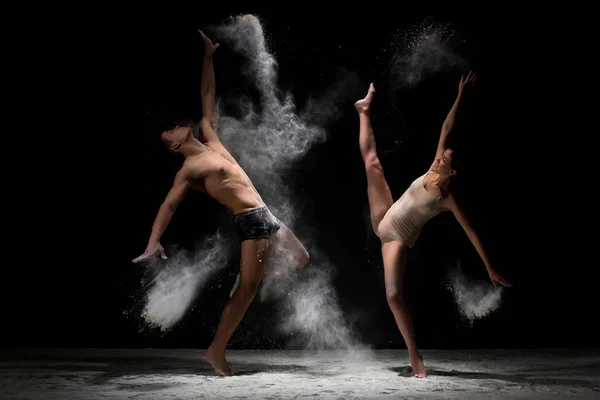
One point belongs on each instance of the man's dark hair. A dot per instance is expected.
(162, 123)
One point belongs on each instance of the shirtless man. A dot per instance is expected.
(210, 168)
(398, 224)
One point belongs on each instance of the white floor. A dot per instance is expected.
(183, 374)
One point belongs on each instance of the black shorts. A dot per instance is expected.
(255, 224)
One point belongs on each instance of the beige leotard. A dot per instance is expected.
(405, 218)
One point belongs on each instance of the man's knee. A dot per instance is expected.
(249, 286)
(303, 257)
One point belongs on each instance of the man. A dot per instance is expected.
(210, 168)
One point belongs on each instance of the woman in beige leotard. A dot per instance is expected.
(399, 223)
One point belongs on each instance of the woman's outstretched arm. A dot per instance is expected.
(462, 219)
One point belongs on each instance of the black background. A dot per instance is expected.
(70, 278)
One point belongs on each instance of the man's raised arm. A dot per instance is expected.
(208, 90)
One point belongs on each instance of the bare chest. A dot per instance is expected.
(209, 166)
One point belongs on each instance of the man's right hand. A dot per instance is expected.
(151, 250)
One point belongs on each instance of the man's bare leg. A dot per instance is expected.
(394, 264)
(253, 258)
(380, 197)
(286, 254)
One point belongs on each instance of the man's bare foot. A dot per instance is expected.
(364, 105)
(218, 362)
(418, 366)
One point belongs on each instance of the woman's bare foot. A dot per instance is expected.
(364, 105)
(418, 366)
(218, 362)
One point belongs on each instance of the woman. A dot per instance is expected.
(398, 224)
